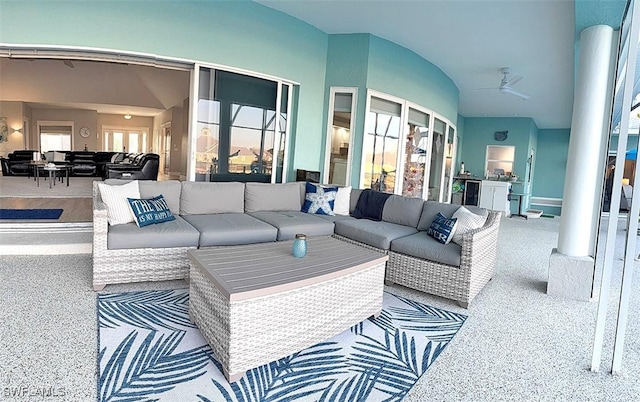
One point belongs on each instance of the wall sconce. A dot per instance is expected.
(17, 131)
(127, 116)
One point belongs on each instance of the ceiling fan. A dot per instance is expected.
(506, 84)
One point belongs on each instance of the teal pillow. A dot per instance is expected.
(442, 228)
(150, 211)
(319, 199)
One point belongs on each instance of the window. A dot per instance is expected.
(240, 133)
(500, 160)
(55, 136)
(415, 154)
(380, 145)
(125, 139)
(339, 128)
(403, 137)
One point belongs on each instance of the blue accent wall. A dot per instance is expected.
(398, 71)
(347, 65)
(479, 132)
(369, 62)
(551, 163)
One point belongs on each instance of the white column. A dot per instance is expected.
(587, 142)
(572, 264)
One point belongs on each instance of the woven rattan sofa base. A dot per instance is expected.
(132, 265)
(463, 283)
(248, 333)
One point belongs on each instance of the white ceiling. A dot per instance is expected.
(470, 41)
(110, 88)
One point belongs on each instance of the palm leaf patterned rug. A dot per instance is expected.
(148, 350)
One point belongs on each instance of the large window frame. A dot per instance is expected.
(278, 165)
(333, 92)
(56, 123)
(444, 179)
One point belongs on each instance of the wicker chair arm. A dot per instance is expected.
(479, 251)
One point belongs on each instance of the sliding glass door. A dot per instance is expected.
(241, 127)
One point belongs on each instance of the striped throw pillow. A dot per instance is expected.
(467, 221)
(115, 198)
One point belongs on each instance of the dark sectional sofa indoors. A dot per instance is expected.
(17, 163)
(134, 167)
(105, 164)
(227, 214)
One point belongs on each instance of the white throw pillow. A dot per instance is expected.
(115, 197)
(467, 221)
(343, 198)
(59, 156)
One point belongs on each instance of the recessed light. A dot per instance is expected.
(127, 117)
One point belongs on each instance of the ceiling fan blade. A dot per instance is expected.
(509, 90)
(514, 80)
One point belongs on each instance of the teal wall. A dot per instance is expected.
(398, 71)
(551, 164)
(347, 64)
(368, 62)
(479, 132)
(240, 34)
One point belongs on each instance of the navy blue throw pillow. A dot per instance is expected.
(319, 199)
(148, 212)
(442, 228)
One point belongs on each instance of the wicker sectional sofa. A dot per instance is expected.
(227, 214)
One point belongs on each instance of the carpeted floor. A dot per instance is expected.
(517, 343)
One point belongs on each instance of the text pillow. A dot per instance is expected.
(319, 200)
(115, 198)
(467, 221)
(150, 211)
(442, 228)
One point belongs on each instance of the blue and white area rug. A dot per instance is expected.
(149, 351)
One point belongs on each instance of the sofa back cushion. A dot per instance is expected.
(211, 198)
(353, 201)
(170, 190)
(431, 208)
(402, 210)
(274, 197)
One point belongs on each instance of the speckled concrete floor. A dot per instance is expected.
(518, 343)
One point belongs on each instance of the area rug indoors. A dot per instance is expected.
(30, 213)
(149, 350)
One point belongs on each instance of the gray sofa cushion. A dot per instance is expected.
(353, 201)
(378, 234)
(170, 190)
(421, 245)
(176, 233)
(274, 197)
(211, 198)
(289, 223)
(431, 208)
(335, 218)
(231, 229)
(402, 210)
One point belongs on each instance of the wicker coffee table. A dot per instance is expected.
(255, 304)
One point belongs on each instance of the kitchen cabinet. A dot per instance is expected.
(494, 195)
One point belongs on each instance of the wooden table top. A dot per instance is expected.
(249, 271)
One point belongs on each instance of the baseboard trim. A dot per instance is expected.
(546, 201)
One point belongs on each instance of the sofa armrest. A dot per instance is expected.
(100, 222)
(479, 252)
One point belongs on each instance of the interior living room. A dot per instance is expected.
(451, 103)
